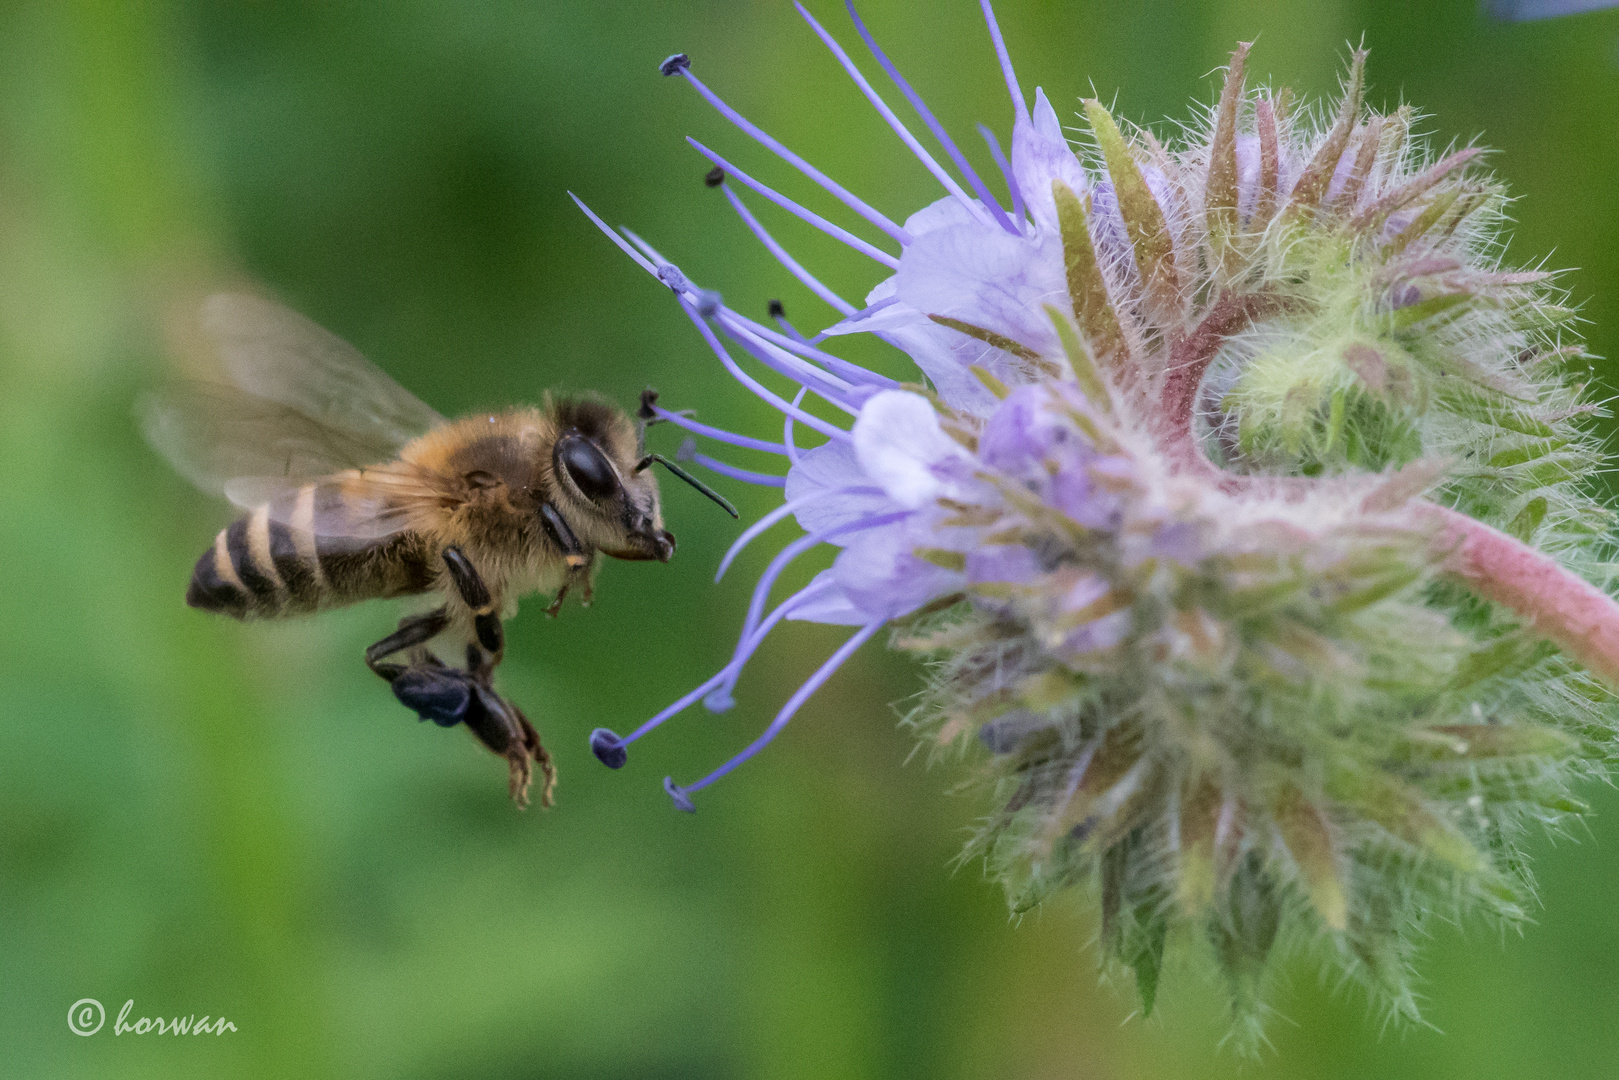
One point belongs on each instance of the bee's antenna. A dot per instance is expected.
(723, 502)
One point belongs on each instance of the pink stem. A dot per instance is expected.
(1561, 607)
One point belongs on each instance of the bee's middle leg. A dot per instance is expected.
(475, 594)
(413, 630)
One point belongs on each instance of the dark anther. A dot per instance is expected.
(715, 177)
(609, 748)
(777, 310)
(675, 64)
(708, 303)
(682, 800)
(649, 398)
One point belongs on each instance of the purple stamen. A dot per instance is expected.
(681, 794)
(755, 340)
(782, 511)
(709, 306)
(792, 551)
(787, 434)
(754, 337)
(688, 452)
(1006, 61)
(894, 122)
(1006, 170)
(612, 234)
(719, 699)
(719, 677)
(793, 266)
(835, 231)
(775, 402)
(949, 144)
(682, 800)
(778, 311)
(837, 190)
(843, 369)
(717, 434)
(867, 312)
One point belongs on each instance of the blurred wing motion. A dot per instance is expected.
(301, 405)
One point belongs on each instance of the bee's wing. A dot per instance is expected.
(214, 434)
(280, 356)
(302, 410)
(257, 452)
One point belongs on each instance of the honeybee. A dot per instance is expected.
(353, 489)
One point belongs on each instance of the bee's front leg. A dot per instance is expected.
(580, 572)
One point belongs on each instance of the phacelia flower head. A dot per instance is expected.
(1239, 505)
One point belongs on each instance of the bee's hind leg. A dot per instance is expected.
(501, 726)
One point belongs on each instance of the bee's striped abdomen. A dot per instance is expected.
(255, 568)
(273, 562)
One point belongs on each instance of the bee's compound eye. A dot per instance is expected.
(587, 467)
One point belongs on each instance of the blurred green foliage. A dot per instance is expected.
(238, 820)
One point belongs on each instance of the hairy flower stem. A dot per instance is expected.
(1557, 604)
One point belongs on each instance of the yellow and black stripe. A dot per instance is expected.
(272, 562)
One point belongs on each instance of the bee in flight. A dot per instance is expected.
(353, 489)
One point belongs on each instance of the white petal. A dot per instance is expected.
(1040, 154)
(829, 606)
(832, 465)
(899, 444)
(881, 577)
(989, 278)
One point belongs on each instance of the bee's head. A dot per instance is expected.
(600, 487)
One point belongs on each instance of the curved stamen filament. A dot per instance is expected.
(810, 281)
(689, 452)
(894, 121)
(714, 343)
(794, 703)
(701, 691)
(989, 201)
(837, 190)
(787, 432)
(1006, 170)
(717, 434)
(1005, 58)
(780, 512)
(847, 372)
(837, 232)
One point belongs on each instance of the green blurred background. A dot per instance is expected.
(238, 820)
